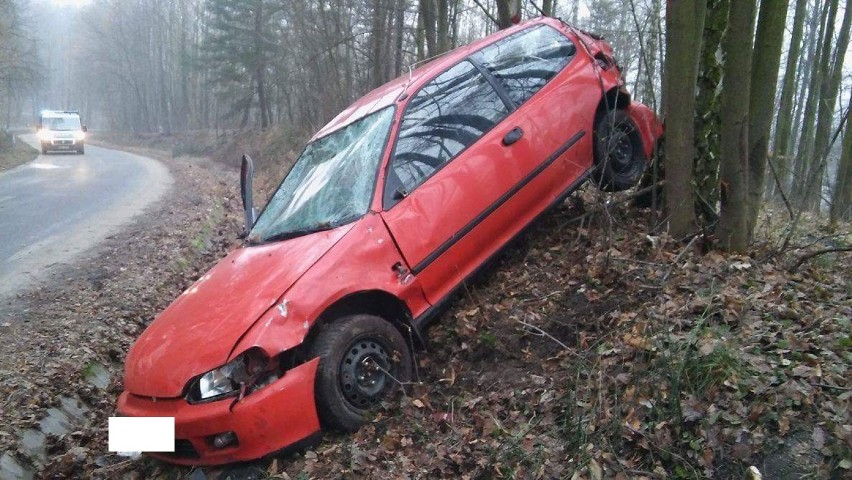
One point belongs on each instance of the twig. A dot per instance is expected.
(487, 13)
(780, 187)
(636, 195)
(540, 11)
(805, 258)
(677, 259)
(541, 333)
(114, 466)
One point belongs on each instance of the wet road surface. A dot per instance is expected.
(60, 205)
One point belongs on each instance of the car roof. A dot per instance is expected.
(408, 83)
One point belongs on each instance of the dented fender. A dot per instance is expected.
(367, 247)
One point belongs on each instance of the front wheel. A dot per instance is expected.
(43, 149)
(363, 360)
(81, 150)
(619, 157)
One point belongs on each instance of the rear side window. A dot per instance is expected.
(524, 62)
(446, 116)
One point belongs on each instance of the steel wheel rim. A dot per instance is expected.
(363, 377)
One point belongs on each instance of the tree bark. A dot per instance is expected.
(806, 139)
(825, 113)
(841, 200)
(764, 77)
(784, 124)
(682, 47)
(706, 166)
(732, 230)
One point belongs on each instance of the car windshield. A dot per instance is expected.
(331, 183)
(61, 123)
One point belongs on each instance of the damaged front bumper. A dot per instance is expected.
(270, 419)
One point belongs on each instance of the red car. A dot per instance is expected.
(387, 211)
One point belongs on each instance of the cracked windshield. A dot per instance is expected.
(330, 184)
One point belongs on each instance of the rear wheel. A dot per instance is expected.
(363, 359)
(619, 157)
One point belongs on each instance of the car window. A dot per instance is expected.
(446, 116)
(524, 62)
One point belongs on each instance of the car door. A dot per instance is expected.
(460, 177)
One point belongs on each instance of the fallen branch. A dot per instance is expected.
(805, 258)
(635, 195)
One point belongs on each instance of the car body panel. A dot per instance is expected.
(368, 247)
(216, 311)
(279, 414)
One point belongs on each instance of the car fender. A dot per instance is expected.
(363, 261)
(648, 124)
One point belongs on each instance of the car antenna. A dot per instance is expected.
(411, 67)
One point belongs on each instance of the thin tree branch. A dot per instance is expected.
(805, 258)
(486, 12)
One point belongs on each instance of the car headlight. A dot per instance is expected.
(79, 136)
(240, 375)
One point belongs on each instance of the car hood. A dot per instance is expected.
(197, 332)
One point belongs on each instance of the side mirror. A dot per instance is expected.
(85, 129)
(246, 176)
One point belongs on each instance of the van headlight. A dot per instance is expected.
(44, 135)
(239, 375)
(79, 136)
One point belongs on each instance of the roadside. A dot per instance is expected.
(14, 152)
(64, 343)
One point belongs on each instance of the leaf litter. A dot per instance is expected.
(591, 351)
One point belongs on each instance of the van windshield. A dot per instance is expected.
(331, 184)
(61, 123)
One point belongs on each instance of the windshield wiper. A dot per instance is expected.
(292, 234)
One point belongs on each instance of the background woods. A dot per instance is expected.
(754, 95)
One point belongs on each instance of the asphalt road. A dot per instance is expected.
(60, 205)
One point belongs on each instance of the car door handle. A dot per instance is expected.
(513, 136)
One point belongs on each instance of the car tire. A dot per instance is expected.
(81, 150)
(356, 354)
(43, 149)
(619, 156)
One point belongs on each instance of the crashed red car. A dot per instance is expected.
(387, 211)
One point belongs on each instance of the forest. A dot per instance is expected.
(695, 326)
(214, 65)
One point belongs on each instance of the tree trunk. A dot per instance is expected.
(682, 47)
(841, 200)
(261, 65)
(825, 113)
(505, 12)
(399, 54)
(806, 139)
(764, 77)
(732, 229)
(427, 16)
(443, 30)
(784, 124)
(706, 166)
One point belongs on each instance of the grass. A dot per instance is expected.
(14, 152)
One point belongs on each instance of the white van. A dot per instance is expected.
(61, 130)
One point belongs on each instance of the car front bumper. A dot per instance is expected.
(270, 419)
(62, 144)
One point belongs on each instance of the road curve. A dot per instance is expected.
(60, 205)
